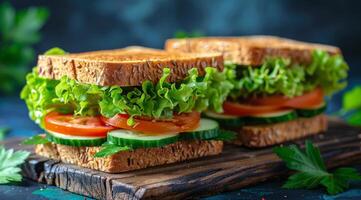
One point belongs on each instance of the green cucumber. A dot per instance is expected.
(134, 139)
(225, 120)
(312, 111)
(270, 118)
(207, 129)
(77, 141)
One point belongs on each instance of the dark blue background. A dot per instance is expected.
(84, 25)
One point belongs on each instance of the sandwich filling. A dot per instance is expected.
(150, 115)
(280, 90)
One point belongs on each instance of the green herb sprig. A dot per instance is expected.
(9, 162)
(19, 30)
(311, 170)
(351, 106)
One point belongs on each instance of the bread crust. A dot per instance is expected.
(250, 50)
(130, 160)
(267, 135)
(125, 67)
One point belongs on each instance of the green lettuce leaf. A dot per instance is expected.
(279, 76)
(159, 100)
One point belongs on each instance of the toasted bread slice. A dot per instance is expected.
(267, 135)
(251, 50)
(130, 160)
(125, 67)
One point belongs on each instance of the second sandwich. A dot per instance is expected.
(279, 85)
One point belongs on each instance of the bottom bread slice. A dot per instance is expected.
(130, 160)
(267, 135)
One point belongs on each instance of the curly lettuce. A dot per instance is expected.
(159, 100)
(279, 76)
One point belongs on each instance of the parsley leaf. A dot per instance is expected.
(19, 30)
(351, 106)
(351, 99)
(36, 139)
(110, 149)
(354, 118)
(9, 161)
(312, 171)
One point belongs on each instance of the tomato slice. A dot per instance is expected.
(179, 123)
(306, 100)
(231, 108)
(76, 126)
(274, 103)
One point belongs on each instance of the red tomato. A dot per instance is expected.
(179, 123)
(273, 103)
(238, 109)
(77, 126)
(306, 100)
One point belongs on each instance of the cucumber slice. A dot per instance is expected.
(270, 118)
(77, 141)
(207, 129)
(225, 120)
(312, 111)
(134, 139)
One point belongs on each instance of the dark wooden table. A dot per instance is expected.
(13, 115)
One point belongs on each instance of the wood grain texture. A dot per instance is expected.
(236, 167)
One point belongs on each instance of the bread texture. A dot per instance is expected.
(267, 135)
(250, 50)
(125, 67)
(130, 160)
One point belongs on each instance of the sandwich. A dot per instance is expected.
(126, 109)
(280, 85)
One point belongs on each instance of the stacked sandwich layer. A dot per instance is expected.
(112, 106)
(279, 85)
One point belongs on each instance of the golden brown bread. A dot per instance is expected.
(130, 160)
(267, 135)
(250, 50)
(125, 67)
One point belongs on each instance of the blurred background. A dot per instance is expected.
(31, 27)
(104, 24)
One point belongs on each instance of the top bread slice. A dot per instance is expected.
(250, 50)
(125, 67)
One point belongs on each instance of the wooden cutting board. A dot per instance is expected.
(236, 167)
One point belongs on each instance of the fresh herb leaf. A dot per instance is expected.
(9, 162)
(339, 180)
(19, 30)
(109, 149)
(36, 139)
(311, 170)
(351, 99)
(354, 118)
(3, 132)
(351, 106)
